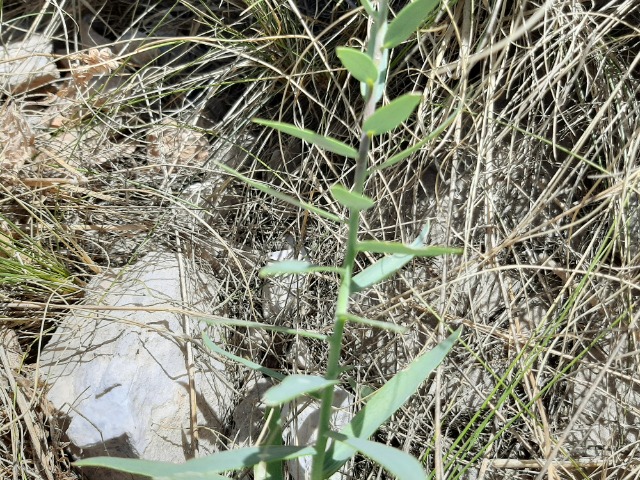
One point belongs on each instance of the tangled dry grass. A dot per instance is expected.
(538, 179)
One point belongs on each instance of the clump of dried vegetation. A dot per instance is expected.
(538, 178)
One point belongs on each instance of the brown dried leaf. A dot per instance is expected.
(16, 140)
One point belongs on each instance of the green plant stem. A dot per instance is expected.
(344, 294)
(335, 342)
(344, 297)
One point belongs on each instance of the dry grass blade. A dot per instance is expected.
(537, 177)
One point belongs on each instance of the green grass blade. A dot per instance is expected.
(398, 463)
(375, 323)
(387, 266)
(378, 88)
(296, 267)
(242, 361)
(360, 65)
(405, 153)
(350, 199)
(376, 246)
(390, 116)
(279, 195)
(230, 322)
(366, 4)
(408, 21)
(327, 143)
(271, 470)
(386, 401)
(206, 467)
(247, 363)
(294, 386)
(285, 267)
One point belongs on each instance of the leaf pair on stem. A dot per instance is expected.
(333, 449)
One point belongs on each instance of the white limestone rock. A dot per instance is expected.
(282, 294)
(249, 414)
(27, 64)
(301, 427)
(119, 375)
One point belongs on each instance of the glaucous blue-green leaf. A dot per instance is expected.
(300, 267)
(206, 467)
(408, 21)
(236, 322)
(271, 470)
(327, 143)
(386, 401)
(399, 464)
(386, 266)
(359, 64)
(261, 325)
(349, 199)
(366, 4)
(375, 246)
(285, 267)
(294, 386)
(392, 327)
(248, 363)
(390, 116)
(379, 55)
(279, 195)
(242, 361)
(405, 153)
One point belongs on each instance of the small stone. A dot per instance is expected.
(249, 415)
(27, 65)
(118, 376)
(301, 427)
(16, 138)
(281, 294)
(170, 146)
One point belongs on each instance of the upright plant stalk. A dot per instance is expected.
(370, 69)
(344, 293)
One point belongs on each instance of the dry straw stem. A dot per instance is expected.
(538, 178)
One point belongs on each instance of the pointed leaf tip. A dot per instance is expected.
(294, 386)
(390, 116)
(359, 64)
(351, 199)
(327, 143)
(400, 464)
(408, 21)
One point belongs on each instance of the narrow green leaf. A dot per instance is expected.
(378, 88)
(242, 361)
(247, 363)
(408, 21)
(284, 267)
(279, 195)
(294, 386)
(398, 463)
(232, 322)
(366, 4)
(386, 266)
(375, 323)
(391, 115)
(405, 153)
(360, 65)
(375, 246)
(299, 267)
(327, 143)
(271, 470)
(386, 401)
(350, 199)
(206, 467)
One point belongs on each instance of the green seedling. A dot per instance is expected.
(332, 449)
